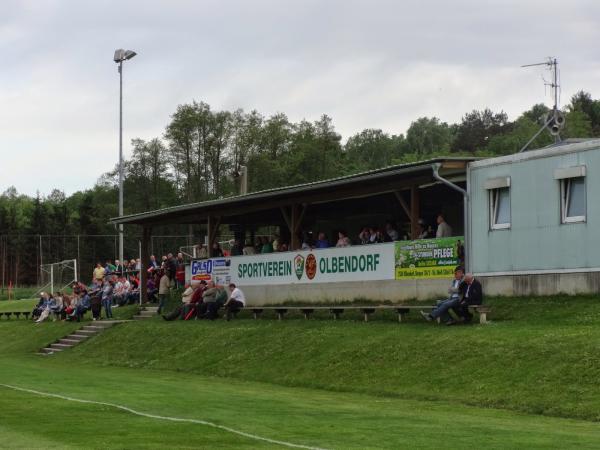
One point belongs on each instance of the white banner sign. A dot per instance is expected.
(359, 263)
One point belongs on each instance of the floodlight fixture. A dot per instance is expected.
(123, 55)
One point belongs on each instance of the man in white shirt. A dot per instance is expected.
(443, 229)
(235, 302)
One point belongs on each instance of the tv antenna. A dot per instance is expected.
(554, 121)
(552, 64)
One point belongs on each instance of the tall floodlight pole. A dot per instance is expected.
(120, 56)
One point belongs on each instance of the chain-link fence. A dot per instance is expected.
(22, 256)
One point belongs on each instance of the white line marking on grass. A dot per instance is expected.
(154, 416)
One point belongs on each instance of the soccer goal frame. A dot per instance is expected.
(52, 271)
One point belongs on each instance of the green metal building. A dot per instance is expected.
(534, 220)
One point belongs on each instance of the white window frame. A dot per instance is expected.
(494, 195)
(565, 186)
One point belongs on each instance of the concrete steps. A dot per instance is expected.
(73, 339)
(77, 337)
(146, 312)
(60, 346)
(49, 351)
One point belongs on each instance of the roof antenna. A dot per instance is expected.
(554, 120)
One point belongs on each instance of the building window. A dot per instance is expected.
(572, 199)
(499, 208)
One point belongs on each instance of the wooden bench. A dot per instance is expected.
(337, 311)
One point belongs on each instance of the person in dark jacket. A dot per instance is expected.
(471, 294)
(96, 303)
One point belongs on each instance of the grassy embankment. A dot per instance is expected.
(343, 384)
(539, 355)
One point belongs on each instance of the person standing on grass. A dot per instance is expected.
(96, 304)
(180, 271)
(236, 301)
(163, 289)
(98, 273)
(107, 298)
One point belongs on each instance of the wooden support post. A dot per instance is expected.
(286, 217)
(212, 230)
(302, 212)
(294, 242)
(402, 203)
(415, 212)
(209, 227)
(293, 220)
(145, 256)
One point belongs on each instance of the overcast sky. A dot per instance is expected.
(367, 64)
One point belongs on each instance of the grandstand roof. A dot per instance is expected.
(387, 179)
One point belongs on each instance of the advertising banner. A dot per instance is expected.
(427, 258)
(216, 269)
(359, 263)
(202, 270)
(221, 271)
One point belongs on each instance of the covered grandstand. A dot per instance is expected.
(401, 194)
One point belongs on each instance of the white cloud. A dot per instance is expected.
(378, 64)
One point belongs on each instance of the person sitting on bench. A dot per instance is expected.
(191, 296)
(192, 304)
(443, 307)
(236, 301)
(210, 307)
(83, 305)
(48, 305)
(39, 307)
(471, 294)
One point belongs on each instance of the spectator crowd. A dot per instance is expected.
(115, 285)
(310, 240)
(118, 284)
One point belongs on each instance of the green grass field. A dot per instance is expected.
(18, 293)
(17, 305)
(527, 380)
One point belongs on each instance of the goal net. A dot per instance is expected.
(57, 276)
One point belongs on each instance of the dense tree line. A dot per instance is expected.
(202, 151)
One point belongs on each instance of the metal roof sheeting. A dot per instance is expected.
(277, 193)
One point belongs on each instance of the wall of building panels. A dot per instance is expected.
(537, 241)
